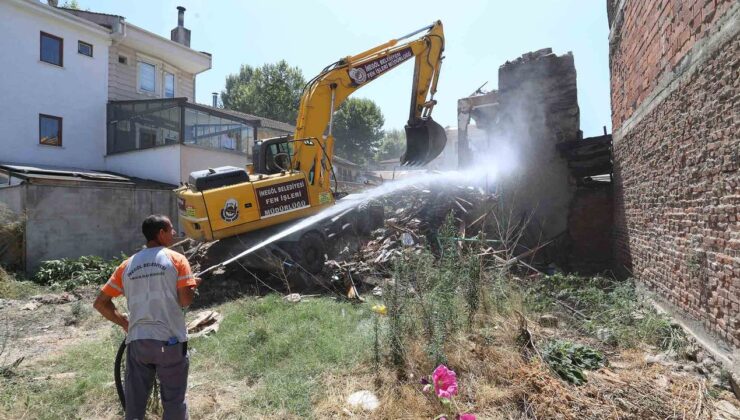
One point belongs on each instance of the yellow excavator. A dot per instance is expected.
(290, 177)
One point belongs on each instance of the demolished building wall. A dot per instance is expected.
(540, 109)
(674, 93)
(534, 109)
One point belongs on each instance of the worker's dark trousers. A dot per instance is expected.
(170, 363)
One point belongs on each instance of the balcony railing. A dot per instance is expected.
(144, 124)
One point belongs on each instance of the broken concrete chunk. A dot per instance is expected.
(734, 378)
(605, 335)
(205, 322)
(30, 306)
(364, 400)
(293, 297)
(407, 239)
(54, 299)
(651, 359)
(725, 410)
(549, 321)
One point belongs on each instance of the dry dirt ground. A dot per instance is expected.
(44, 325)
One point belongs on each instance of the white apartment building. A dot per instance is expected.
(90, 91)
(54, 87)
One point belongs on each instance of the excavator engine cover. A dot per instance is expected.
(425, 140)
(209, 179)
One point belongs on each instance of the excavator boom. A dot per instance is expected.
(325, 93)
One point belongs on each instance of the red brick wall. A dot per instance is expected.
(590, 229)
(652, 38)
(677, 189)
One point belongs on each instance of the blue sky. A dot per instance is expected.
(480, 36)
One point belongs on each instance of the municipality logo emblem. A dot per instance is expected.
(358, 75)
(230, 212)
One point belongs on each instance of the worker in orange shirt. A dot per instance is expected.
(157, 283)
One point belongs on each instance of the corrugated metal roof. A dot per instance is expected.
(61, 173)
(341, 160)
(31, 173)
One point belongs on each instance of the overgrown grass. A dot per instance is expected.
(77, 384)
(276, 355)
(609, 309)
(282, 348)
(14, 286)
(12, 227)
(433, 298)
(275, 349)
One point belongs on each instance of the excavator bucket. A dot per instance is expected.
(425, 140)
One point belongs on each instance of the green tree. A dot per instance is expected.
(358, 129)
(72, 4)
(271, 91)
(392, 145)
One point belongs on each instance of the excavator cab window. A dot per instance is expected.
(273, 155)
(278, 157)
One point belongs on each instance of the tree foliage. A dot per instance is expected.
(271, 91)
(358, 129)
(72, 4)
(392, 145)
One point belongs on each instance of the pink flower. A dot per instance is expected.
(466, 416)
(427, 388)
(445, 382)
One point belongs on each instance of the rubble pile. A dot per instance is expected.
(412, 219)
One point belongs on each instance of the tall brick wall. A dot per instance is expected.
(650, 40)
(590, 229)
(677, 160)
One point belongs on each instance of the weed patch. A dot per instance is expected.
(13, 286)
(569, 360)
(71, 273)
(12, 229)
(607, 309)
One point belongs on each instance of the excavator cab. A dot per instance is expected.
(425, 140)
(272, 156)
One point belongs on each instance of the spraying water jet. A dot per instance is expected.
(471, 176)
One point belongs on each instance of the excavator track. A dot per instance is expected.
(299, 257)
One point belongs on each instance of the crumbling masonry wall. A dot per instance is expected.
(534, 109)
(540, 109)
(675, 88)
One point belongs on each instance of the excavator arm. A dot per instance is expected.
(325, 93)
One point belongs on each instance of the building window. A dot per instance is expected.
(147, 77)
(52, 49)
(122, 59)
(50, 130)
(147, 137)
(169, 85)
(84, 48)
